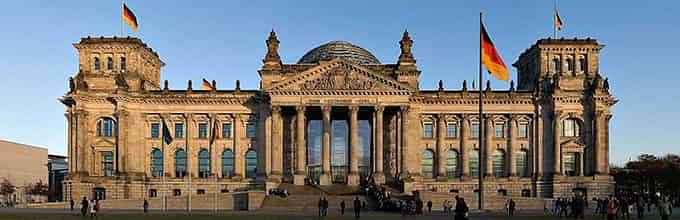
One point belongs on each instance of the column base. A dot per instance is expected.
(379, 178)
(325, 179)
(442, 178)
(353, 179)
(299, 179)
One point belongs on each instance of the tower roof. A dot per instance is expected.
(339, 49)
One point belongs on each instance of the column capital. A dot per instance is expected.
(405, 108)
(379, 108)
(300, 108)
(353, 108)
(442, 116)
(276, 109)
(326, 108)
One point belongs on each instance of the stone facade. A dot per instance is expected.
(547, 137)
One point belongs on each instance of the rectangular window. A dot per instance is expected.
(568, 128)
(251, 130)
(179, 130)
(155, 130)
(500, 130)
(428, 130)
(107, 163)
(226, 130)
(203, 130)
(452, 130)
(523, 130)
(474, 129)
(570, 161)
(123, 64)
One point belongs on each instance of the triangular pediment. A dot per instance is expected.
(339, 76)
(572, 143)
(103, 142)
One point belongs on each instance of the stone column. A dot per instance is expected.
(277, 143)
(353, 178)
(325, 178)
(299, 177)
(441, 148)
(580, 163)
(511, 146)
(464, 149)
(236, 149)
(600, 150)
(489, 149)
(82, 148)
(557, 151)
(378, 174)
(404, 142)
(538, 139)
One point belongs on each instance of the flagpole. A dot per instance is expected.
(164, 207)
(122, 8)
(554, 19)
(480, 178)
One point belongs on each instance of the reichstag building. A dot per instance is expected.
(336, 116)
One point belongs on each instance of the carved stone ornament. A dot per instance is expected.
(339, 78)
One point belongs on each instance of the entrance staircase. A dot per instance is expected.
(306, 198)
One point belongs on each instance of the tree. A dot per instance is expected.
(38, 188)
(6, 188)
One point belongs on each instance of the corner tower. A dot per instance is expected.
(116, 64)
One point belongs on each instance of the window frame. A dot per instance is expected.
(251, 129)
(204, 163)
(106, 129)
(427, 164)
(180, 173)
(475, 129)
(502, 126)
(523, 129)
(107, 163)
(154, 163)
(109, 63)
(227, 130)
(202, 130)
(155, 130)
(428, 134)
(571, 127)
(498, 166)
(230, 171)
(452, 125)
(179, 130)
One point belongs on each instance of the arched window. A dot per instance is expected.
(251, 164)
(474, 163)
(105, 127)
(571, 128)
(427, 164)
(556, 65)
(452, 163)
(123, 63)
(203, 163)
(180, 163)
(522, 165)
(584, 64)
(109, 63)
(227, 163)
(97, 64)
(570, 65)
(498, 163)
(156, 163)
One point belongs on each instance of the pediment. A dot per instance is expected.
(572, 144)
(339, 76)
(104, 142)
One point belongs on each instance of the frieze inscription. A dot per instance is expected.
(338, 79)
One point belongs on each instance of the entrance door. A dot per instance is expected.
(339, 144)
(99, 193)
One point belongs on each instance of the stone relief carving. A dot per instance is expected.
(338, 79)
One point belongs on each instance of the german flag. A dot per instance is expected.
(206, 85)
(490, 57)
(130, 18)
(558, 21)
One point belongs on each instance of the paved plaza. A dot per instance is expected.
(61, 214)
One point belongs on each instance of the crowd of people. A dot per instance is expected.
(568, 207)
(88, 207)
(623, 206)
(279, 192)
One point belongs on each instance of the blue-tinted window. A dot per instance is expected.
(498, 163)
(427, 164)
(452, 164)
(179, 130)
(474, 131)
(156, 163)
(474, 163)
(203, 130)
(523, 130)
(107, 163)
(203, 163)
(428, 130)
(251, 130)
(452, 130)
(251, 164)
(180, 163)
(155, 130)
(227, 163)
(105, 127)
(226, 130)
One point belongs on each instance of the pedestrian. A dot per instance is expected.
(664, 209)
(91, 208)
(72, 203)
(325, 206)
(461, 210)
(342, 207)
(640, 208)
(83, 206)
(445, 206)
(611, 208)
(97, 205)
(429, 206)
(320, 205)
(357, 207)
(146, 206)
(511, 207)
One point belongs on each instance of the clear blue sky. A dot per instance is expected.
(224, 40)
